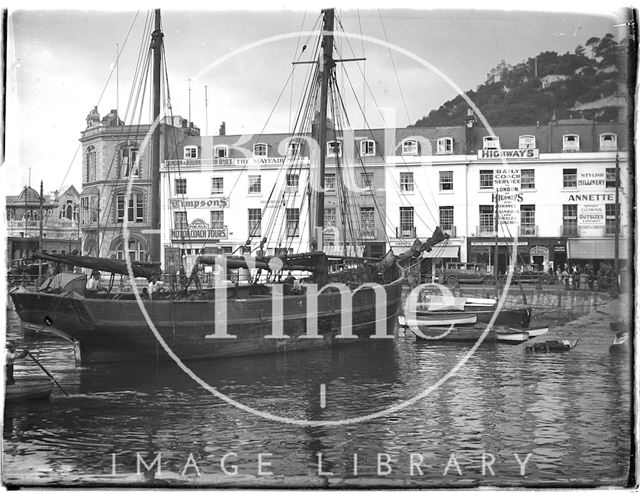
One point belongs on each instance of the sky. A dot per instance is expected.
(59, 61)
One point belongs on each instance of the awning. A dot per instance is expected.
(596, 248)
(447, 251)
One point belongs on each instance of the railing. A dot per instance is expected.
(406, 232)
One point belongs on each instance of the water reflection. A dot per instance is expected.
(570, 411)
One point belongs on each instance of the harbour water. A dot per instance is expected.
(507, 418)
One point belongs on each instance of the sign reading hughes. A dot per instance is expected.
(508, 153)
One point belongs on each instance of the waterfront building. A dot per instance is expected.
(60, 225)
(112, 155)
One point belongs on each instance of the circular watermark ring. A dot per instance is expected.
(390, 409)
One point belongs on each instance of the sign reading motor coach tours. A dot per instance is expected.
(508, 153)
(506, 184)
(206, 203)
(199, 230)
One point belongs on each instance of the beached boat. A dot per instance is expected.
(232, 319)
(29, 388)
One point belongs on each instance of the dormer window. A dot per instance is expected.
(570, 142)
(191, 152)
(334, 148)
(368, 148)
(608, 142)
(220, 151)
(410, 147)
(444, 145)
(527, 142)
(260, 150)
(491, 142)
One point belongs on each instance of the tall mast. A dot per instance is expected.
(316, 206)
(156, 46)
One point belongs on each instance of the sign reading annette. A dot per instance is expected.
(506, 184)
(508, 153)
(208, 203)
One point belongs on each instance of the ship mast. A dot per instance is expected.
(156, 46)
(316, 202)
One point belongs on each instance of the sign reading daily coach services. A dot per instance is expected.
(506, 184)
(207, 203)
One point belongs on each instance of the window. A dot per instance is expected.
(368, 148)
(293, 218)
(134, 210)
(486, 179)
(528, 220)
(608, 142)
(129, 161)
(293, 181)
(255, 222)
(260, 150)
(446, 180)
(255, 184)
(491, 142)
(329, 182)
(444, 145)
(406, 182)
(446, 218)
(220, 151)
(528, 179)
(367, 182)
(334, 149)
(191, 152)
(410, 147)
(217, 184)
(217, 219)
(180, 220)
(527, 142)
(367, 218)
(407, 229)
(90, 173)
(610, 218)
(180, 186)
(569, 219)
(486, 219)
(570, 143)
(610, 177)
(569, 178)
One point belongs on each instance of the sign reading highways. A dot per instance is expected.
(506, 184)
(591, 219)
(508, 153)
(207, 203)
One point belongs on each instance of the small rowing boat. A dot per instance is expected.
(29, 388)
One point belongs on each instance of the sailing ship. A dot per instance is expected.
(232, 319)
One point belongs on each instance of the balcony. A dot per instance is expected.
(406, 232)
(485, 231)
(528, 230)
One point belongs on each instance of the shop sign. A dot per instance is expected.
(508, 153)
(591, 219)
(205, 203)
(506, 184)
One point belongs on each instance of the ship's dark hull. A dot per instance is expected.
(110, 329)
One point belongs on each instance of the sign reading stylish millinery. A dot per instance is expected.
(205, 203)
(591, 219)
(508, 154)
(588, 180)
(506, 184)
(199, 230)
